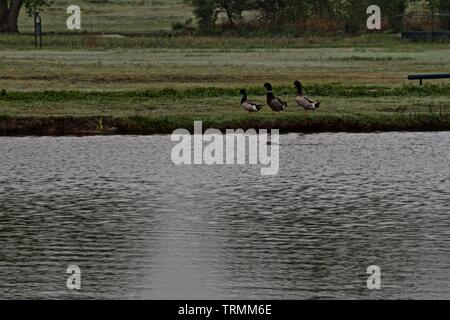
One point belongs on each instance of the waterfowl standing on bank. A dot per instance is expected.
(303, 101)
(276, 104)
(248, 105)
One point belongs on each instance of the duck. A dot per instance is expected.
(276, 104)
(303, 101)
(248, 105)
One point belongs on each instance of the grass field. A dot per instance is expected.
(162, 83)
(113, 16)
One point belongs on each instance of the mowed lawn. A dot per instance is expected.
(112, 16)
(122, 68)
(177, 64)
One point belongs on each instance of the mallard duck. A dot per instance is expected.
(276, 104)
(248, 105)
(303, 101)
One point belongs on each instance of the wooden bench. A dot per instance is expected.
(422, 77)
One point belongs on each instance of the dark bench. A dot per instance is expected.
(422, 77)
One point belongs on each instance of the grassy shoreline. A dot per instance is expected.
(90, 84)
(346, 108)
(139, 125)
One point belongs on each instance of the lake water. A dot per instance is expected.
(140, 227)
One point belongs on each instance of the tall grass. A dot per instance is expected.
(163, 40)
(323, 90)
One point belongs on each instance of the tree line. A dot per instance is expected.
(313, 15)
(269, 15)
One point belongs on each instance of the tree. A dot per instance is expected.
(393, 8)
(349, 15)
(233, 9)
(281, 12)
(207, 11)
(444, 8)
(323, 8)
(10, 9)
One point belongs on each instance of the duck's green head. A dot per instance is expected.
(243, 92)
(268, 86)
(298, 85)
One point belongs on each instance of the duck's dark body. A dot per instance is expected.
(276, 104)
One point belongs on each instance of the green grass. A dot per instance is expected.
(103, 41)
(113, 16)
(177, 63)
(160, 88)
(222, 104)
(153, 82)
(202, 93)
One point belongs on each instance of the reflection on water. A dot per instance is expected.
(140, 227)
